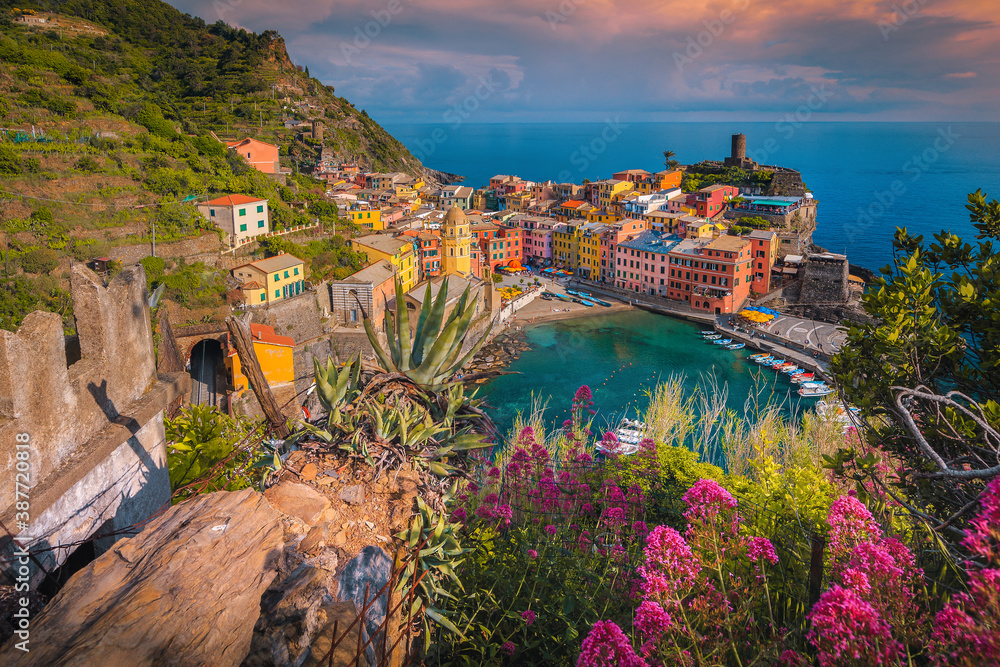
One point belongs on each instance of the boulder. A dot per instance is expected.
(185, 591)
(353, 495)
(299, 500)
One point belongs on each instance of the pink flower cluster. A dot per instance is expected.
(848, 630)
(967, 631)
(607, 646)
(873, 606)
(670, 564)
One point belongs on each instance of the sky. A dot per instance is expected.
(641, 60)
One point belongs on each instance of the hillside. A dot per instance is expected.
(111, 116)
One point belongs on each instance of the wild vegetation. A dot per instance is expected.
(116, 140)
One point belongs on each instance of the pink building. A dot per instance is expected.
(537, 239)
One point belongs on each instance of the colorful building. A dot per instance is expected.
(713, 276)
(589, 245)
(274, 353)
(372, 287)
(604, 192)
(765, 252)
(456, 244)
(260, 155)
(366, 214)
(397, 251)
(241, 218)
(711, 201)
(566, 245)
(267, 281)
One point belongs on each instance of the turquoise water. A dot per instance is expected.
(619, 355)
(868, 177)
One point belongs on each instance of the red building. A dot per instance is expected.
(765, 251)
(428, 251)
(496, 245)
(710, 201)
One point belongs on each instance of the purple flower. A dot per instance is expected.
(607, 645)
(550, 529)
(583, 394)
(652, 620)
(528, 616)
(761, 547)
(459, 515)
(508, 648)
(532, 554)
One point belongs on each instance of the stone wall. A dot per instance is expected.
(297, 317)
(205, 249)
(96, 455)
(825, 280)
(786, 183)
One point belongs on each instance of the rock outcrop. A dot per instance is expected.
(185, 591)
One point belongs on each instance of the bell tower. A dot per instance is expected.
(456, 241)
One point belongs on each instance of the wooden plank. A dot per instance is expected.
(239, 332)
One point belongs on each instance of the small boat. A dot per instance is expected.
(713, 337)
(736, 346)
(724, 341)
(792, 370)
(588, 304)
(601, 303)
(802, 377)
(630, 432)
(765, 361)
(708, 332)
(759, 356)
(775, 362)
(814, 391)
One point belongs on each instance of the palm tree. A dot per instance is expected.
(668, 160)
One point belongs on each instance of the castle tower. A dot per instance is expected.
(739, 151)
(457, 243)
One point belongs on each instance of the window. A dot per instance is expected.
(211, 212)
(262, 296)
(260, 208)
(277, 293)
(243, 212)
(260, 224)
(277, 277)
(286, 274)
(296, 270)
(243, 227)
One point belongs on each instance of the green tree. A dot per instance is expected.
(39, 260)
(935, 329)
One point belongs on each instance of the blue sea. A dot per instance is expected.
(868, 177)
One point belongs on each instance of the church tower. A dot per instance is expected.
(457, 244)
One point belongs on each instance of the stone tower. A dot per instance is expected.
(739, 151)
(317, 130)
(457, 243)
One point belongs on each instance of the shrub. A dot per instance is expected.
(87, 165)
(39, 260)
(154, 267)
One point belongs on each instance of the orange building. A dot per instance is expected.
(260, 155)
(274, 353)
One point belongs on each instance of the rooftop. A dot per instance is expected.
(233, 200)
(383, 243)
(456, 286)
(650, 241)
(272, 264)
(376, 274)
(727, 244)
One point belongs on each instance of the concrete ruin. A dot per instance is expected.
(92, 406)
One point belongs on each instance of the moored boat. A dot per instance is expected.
(599, 302)
(802, 377)
(713, 337)
(792, 370)
(736, 346)
(709, 332)
(723, 341)
(815, 390)
(588, 304)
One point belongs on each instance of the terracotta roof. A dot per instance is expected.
(253, 284)
(265, 334)
(233, 200)
(272, 264)
(573, 203)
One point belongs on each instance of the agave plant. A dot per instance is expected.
(433, 352)
(337, 385)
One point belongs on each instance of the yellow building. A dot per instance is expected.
(590, 251)
(566, 245)
(602, 215)
(609, 190)
(274, 354)
(365, 215)
(272, 279)
(456, 241)
(396, 251)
